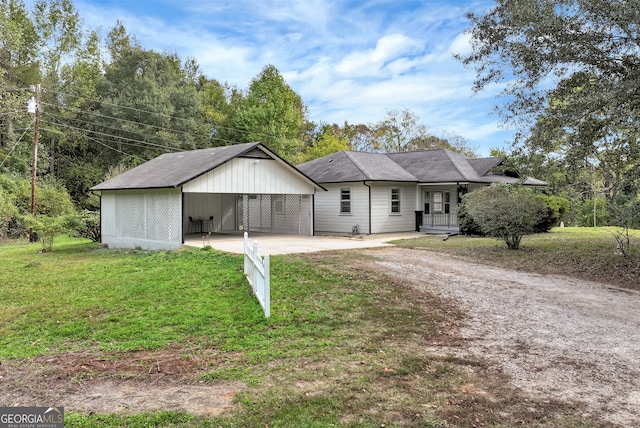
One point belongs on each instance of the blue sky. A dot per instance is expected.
(348, 60)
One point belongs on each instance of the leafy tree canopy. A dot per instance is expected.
(572, 69)
(590, 47)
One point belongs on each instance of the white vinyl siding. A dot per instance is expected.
(251, 176)
(383, 220)
(327, 209)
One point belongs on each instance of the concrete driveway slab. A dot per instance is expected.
(269, 244)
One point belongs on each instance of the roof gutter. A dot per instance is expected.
(365, 183)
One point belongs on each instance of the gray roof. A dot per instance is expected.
(420, 166)
(484, 165)
(437, 166)
(349, 166)
(175, 169)
(528, 181)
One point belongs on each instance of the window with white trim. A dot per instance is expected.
(345, 200)
(441, 202)
(437, 202)
(395, 201)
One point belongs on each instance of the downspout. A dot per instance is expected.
(365, 183)
(99, 211)
(313, 213)
(182, 216)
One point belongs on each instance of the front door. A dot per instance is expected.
(437, 207)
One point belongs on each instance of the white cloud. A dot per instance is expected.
(370, 62)
(461, 45)
(347, 61)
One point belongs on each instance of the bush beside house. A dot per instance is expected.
(509, 213)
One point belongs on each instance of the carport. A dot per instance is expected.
(289, 214)
(158, 204)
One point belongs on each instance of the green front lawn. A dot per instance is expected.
(343, 347)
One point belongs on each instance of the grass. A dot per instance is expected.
(79, 297)
(587, 253)
(343, 347)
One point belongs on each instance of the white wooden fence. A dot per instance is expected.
(257, 271)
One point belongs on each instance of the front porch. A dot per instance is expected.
(439, 206)
(438, 224)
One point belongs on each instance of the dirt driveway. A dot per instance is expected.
(554, 336)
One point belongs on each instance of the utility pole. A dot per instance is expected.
(36, 135)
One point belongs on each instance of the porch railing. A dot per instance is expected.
(257, 271)
(440, 220)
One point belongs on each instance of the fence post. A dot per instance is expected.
(267, 287)
(246, 262)
(257, 272)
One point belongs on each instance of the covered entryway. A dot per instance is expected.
(439, 209)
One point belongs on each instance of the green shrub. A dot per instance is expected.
(505, 212)
(52, 200)
(466, 223)
(49, 227)
(90, 225)
(8, 212)
(557, 208)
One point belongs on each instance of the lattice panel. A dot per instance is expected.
(155, 216)
(286, 214)
(164, 217)
(130, 216)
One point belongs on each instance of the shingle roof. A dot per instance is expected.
(484, 165)
(349, 166)
(434, 166)
(420, 166)
(175, 169)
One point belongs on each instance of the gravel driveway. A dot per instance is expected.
(555, 336)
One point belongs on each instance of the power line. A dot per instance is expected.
(100, 125)
(97, 141)
(161, 114)
(212, 137)
(120, 119)
(17, 142)
(144, 143)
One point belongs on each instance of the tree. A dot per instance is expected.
(271, 112)
(542, 41)
(505, 213)
(400, 131)
(573, 79)
(15, 205)
(18, 69)
(361, 137)
(327, 140)
(148, 104)
(49, 227)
